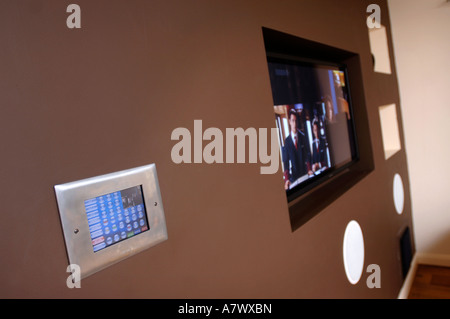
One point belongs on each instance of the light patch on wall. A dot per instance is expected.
(389, 130)
(380, 49)
(353, 252)
(399, 194)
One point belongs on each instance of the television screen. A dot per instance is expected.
(116, 216)
(313, 115)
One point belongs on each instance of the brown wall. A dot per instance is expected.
(106, 97)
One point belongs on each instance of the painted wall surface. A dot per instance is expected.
(78, 103)
(420, 33)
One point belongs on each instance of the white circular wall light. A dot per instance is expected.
(399, 195)
(353, 252)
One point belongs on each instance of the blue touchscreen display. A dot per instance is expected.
(116, 216)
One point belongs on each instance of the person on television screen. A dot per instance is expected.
(296, 154)
(329, 111)
(319, 153)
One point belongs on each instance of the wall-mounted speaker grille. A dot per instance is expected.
(406, 251)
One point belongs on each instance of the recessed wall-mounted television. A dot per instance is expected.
(314, 118)
(321, 117)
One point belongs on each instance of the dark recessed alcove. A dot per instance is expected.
(316, 196)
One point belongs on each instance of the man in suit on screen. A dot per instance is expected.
(319, 151)
(296, 153)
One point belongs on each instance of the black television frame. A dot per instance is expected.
(312, 182)
(309, 201)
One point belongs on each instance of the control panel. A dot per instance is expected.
(108, 218)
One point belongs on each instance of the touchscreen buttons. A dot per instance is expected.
(110, 207)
